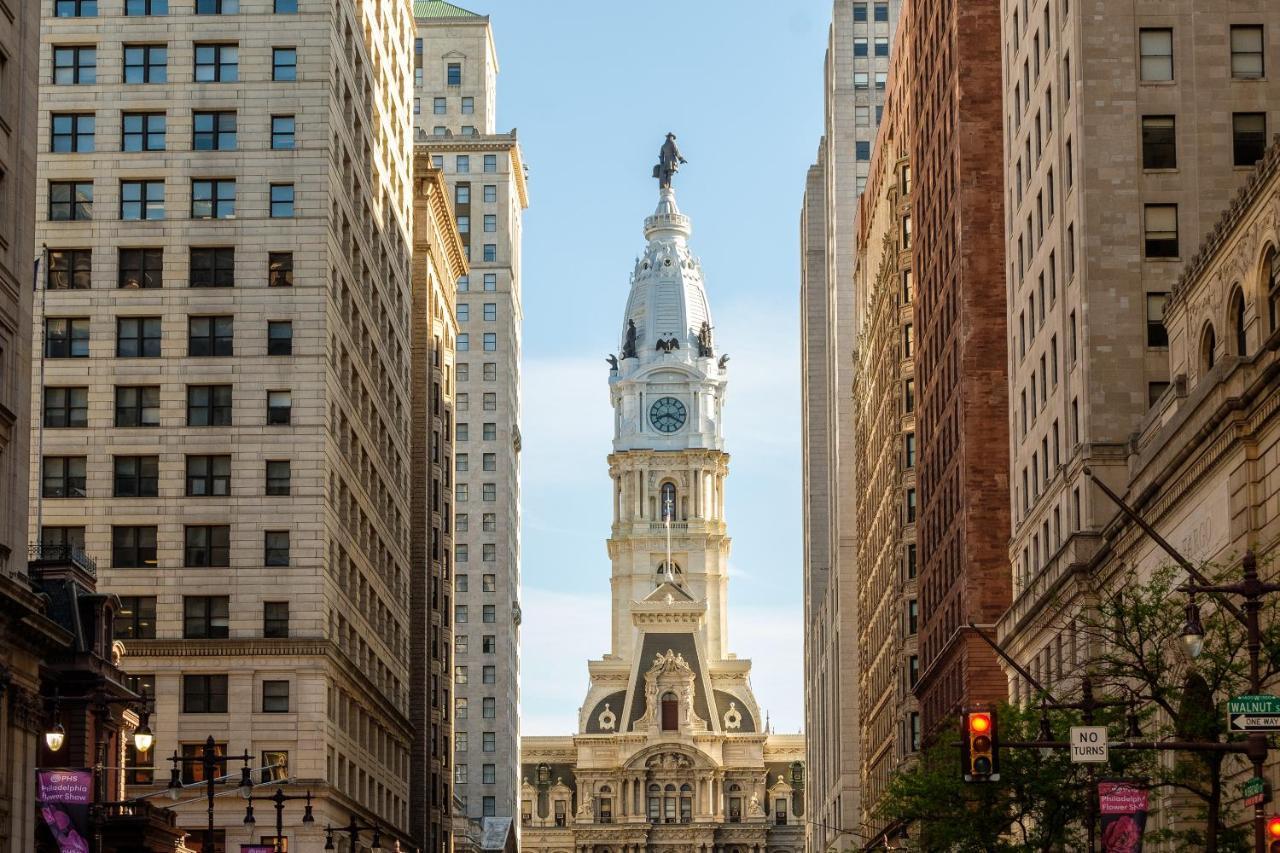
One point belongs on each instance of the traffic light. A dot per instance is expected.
(980, 745)
(1273, 834)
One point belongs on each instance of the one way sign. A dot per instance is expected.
(1254, 714)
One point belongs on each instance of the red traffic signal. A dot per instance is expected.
(979, 745)
(1273, 834)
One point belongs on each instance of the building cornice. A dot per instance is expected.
(434, 144)
(431, 185)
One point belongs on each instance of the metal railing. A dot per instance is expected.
(48, 552)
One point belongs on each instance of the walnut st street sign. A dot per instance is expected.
(1254, 714)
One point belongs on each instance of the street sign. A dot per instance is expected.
(1254, 714)
(1088, 744)
(1254, 790)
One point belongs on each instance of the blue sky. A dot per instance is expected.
(592, 88)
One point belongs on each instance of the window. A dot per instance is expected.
(146, 7)
(275, 697)
(281, 201)
(1155, 390)
(860, 46)
(133, 547)
(908, 395)
(210, 336)
(882, 12)
(280, 269)
(489, 522)
(453, 74)
(489, 432)
(208, 476)
(217, 7)
(1159, 142)
(285, 7)
(204, 694)
(1156, 50)
(862, 116)
(136, 618)
(439, 106)
(73, 65)
(71, 132)
(137, 406)
(859, 12)
(278, 477)
(463, 342)
(213, 131)
(69, 269)
(490, 342)
(490, 252)
(213, 267)
(1161, 238)
(489, 644)
(276, 548)
(862, 150)
(1157, 335)
(464, 224)
(490, 223)
(464, 312)
(911, 506)
(146, 63)
(462, 193)
(489, 708)
(70, 200)
(489, 583)
(882, 46)
(208, 405)
(460, 770)
(135, 475)
(908, 340)
(138, 337)
(213, 199)
(490, 371)
(490, 281)
(275, 768)
(1238, 323)
(490, 462)
(141, 200)
(489, 613)
(1246, 53)
(280, 337)
(882, 78)
(66, 407)
(462, 163)
(76, 8)
(909, 449)
(67, 337)
(205, 617)
(1208, 348)
(1248, 137)
(491, 163)
(275, 619)
(279, 407)
(207, 545)
(142, 132)
(282, 132)
(217, 63)
(913, 617)
(284, 63)
(1271, 268)
(63, 477)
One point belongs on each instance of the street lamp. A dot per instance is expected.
(208, 760)
(55, 736)
(353, 830)
(1193, 630)
(280, 798)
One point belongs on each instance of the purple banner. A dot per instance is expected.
(64, 797)
(257, 848)
(1124, 816)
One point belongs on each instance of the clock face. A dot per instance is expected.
(667, 414)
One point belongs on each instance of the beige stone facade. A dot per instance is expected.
(1108, 197)
(454, 92)
(227, 396)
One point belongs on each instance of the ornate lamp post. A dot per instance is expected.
(353, 830)
(280, 798)
(208, 760)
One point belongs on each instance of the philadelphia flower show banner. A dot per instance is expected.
(1124, 815)
(64, 797)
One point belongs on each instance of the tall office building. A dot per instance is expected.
(855, 77)
(958, 337)
(1089, 352)
(225, 193)
(455, 70)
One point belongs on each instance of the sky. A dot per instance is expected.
(592, 88)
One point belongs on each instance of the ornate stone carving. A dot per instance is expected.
(732, 718)
(607, 719)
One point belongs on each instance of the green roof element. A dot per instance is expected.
(440, 9)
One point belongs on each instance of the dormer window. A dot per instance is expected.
(670, 712)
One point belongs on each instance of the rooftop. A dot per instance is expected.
(440, 9)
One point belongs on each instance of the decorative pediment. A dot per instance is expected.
(668, 761)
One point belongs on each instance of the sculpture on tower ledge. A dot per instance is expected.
(669, 161)
(629, 345)
(704, 340)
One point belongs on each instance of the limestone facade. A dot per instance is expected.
(455, 86)
(226, 196)
(1089, 355)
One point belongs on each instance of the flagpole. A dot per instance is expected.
(668, 511)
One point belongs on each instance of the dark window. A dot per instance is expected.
(284, 63)
(62, 539)
(1271, 268)
(139, 766)
(275, 551)
(76, 8)
(138, 337)
(490, 253)
(213, 267)
(207, 545)
(863, 150)
(133, 547)
(208, 405)
(213, 199)
(211, 336)
(146, 7)
(213, 131)
(275, 619)
(279, 407)
(194, 771)
(136, 618)
(142, 132)
(66, 337)
(217, 63)
(1247, 61)
(141, 268)
(1157, 335)
(70, 200)
(1248, 137)
(1159, 142)
(275, 697)
(882, 48)
(204, 694)
(1161, 231)
(70, 269)
(145, 63)
(205, 617)
(280, 337)
(63, 477)
(913, 617)
(66, 407)
(278, 475)
(141, 200)
(453, 74)
(71, 132)
(73, 65)
(208, 476)
(282, 131)
(1155, 390)
(137, 406)
(285, 7)
(135, 476)
(281, 201)
(280, 269)
(1238, 323)
(882, 12)
(217, 7)
(670, 712)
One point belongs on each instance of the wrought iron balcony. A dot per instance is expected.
(47, 552)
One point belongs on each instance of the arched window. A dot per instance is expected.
(670, 712)
(1237, 323)
(668, 501)
(655, 803)
(686, 803)
(1271, 268)
(669, 804)
(1208, 347)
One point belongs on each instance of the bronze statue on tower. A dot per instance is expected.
(669, 161)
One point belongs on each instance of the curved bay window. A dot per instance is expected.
(670, 712)
(668, 502)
